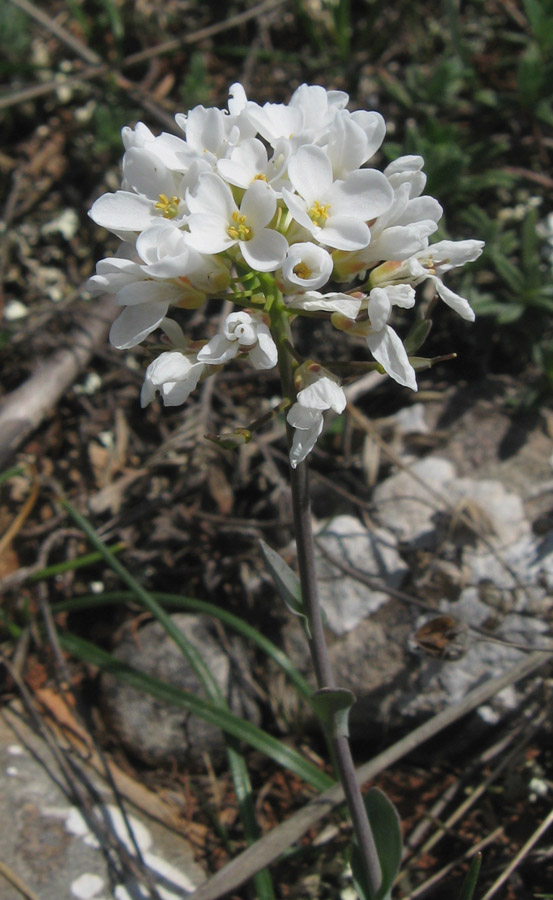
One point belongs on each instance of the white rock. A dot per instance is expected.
(87, 886)
(504, 509)
(407, 507)
(345, 600)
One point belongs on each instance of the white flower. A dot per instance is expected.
(163, 271)
(174, 374)
(432, 262)
(353, 139)
(335, 212)
(382, 341)
(306, 415)
(216, 223)
(318, 108)
(306, 267)
(407, 169)
(249, 162)
(242, 332)
(276, 122)
(212, 133)
(151, 191)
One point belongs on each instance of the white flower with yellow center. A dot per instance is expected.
(151, 191)
(306, 268)
(335, 212)
(217, 224)
(250, 162)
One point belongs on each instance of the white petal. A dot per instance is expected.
(237, 99)
(208, 233)
(122, 211)
(421, 208)
(258, 204)
(310, 172)
(401, 295)
(174, 394)
(313, 301)
(173, 151)
(148, 292)
(451, 254)
(266, 251)
(265, 354)
(218, 350)
(169, 366)
(323, 394)
(298, 207)
(459, 304)
(404, 164)
(211, 195)
(135, 323)
(374, 126)
(380, 308)
(364, 194)
(344, 233)
(308, 424)
(388, 350)
(147, 174)
(399, 241)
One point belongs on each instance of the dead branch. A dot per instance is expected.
(29, 404)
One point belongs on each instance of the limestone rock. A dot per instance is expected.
(347, 601)
(161, 734)
(407, 507)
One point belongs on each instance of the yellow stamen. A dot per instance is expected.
(240, 231)
(302, 271)
(169, 206)
(260, 177)
(319, 214)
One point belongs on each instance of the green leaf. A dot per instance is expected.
(386, 829)
(332, 706)
(286, 581)
(469, 884)
(510, 274)
(205, 709)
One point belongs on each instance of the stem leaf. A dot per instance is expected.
(385, 825)
(332, 706)
(286, 581)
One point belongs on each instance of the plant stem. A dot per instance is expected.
(323, 670)
(299, 481)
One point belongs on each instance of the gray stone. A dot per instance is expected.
(347, 601)
(161, 734)
(502, 509)
(408, 508)
(47, 845)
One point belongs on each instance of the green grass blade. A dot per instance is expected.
(237, 763)
(10, 473)
(200, 606)
(205, 709)
(71, 565)
(469, 884)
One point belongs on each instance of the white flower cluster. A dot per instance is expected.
(282, 190)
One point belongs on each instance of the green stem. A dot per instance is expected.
(299, 481)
